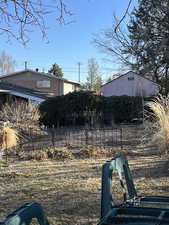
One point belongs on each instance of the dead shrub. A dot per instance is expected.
(32, 155)
(51, 153)
(20, 113)
(90, 151)
(59, 153)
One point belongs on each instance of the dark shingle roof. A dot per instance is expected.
(11, 87)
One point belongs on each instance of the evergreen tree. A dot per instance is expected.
(56, 70)
(142, 45)
(149, 35)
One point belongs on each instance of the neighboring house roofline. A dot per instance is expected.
(23, 71)
(27, 96)
(41, 73)
(22, 91)
(71, 82)
(127, 74)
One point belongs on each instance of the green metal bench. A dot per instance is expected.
(25, 214)
(131, 210)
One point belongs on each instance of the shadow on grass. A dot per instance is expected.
(59, 206)
(154, 170)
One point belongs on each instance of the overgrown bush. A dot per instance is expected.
(121, 108)
(80, 108)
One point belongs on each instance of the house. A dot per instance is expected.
(46, 83)
(130, 84)
(12, 92)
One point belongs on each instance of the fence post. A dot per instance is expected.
(121, 138)
(86, 136)
(53, 136)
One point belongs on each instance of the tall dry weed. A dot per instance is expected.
(160, 125)
(10, 138)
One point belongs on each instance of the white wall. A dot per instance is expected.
(132, 85)
(68, 87)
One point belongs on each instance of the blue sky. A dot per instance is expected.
(71, 43)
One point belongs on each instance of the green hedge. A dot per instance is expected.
(79, 108)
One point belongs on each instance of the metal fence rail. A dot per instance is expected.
(75, 137)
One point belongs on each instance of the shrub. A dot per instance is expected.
(78, 108)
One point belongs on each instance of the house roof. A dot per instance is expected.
(127, 74)
(22, 91)
(49, 75)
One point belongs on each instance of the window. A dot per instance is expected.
(43, 83)
(130, 78)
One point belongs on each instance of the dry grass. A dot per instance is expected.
(67, 190)
(160, 128)
(70, 191)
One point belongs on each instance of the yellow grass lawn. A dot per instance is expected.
(70, 191)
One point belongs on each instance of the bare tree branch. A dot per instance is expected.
(63, 11)
(123, 17)
(19, 17)
(114, 43)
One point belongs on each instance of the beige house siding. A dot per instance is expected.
(68, 87)
(47, 83)
(130, 84)
(36, 81)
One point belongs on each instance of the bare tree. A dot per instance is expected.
(19, 17)
(114, 41)
(94, 80)
(7, 63)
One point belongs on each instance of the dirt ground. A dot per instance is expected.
(70, 191)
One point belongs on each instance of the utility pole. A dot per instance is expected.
(79, 64)
(26, 63)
